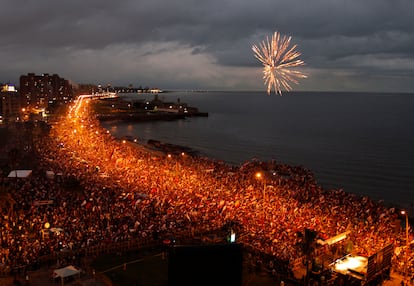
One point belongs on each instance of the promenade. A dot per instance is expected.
(106, 191)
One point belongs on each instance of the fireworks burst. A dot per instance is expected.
(278, 59)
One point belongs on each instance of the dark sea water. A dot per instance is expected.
(362, 143)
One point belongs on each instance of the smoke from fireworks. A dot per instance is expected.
(278, 60)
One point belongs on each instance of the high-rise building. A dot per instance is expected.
(10, 107)
(41, 91)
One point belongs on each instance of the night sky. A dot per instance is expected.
(347, 45)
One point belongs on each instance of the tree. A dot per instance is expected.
(6, 200)
(14, 157)
(308, 248)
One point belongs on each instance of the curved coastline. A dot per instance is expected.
(187, 193)
(346, 140)
(302, 197)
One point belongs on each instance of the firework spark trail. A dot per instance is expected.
(278, 60)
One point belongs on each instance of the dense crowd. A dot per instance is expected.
(102, 190)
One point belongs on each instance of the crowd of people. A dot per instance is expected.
(102, 190)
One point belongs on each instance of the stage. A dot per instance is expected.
(355, 266)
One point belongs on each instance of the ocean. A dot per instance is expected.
(362, 143)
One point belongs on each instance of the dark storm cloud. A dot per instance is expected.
(211, 40)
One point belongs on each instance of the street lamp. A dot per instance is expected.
(407, 243)
(45, 230)
(259, 176)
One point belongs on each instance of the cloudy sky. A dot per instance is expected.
(347, 45)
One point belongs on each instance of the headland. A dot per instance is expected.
(117, 108)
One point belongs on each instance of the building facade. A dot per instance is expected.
(10, 104)
(40, 92)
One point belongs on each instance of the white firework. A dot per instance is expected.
(278, 60)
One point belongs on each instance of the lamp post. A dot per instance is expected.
(45, 230)
(259, 176)
(407, 244)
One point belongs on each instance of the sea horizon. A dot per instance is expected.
(284, 93)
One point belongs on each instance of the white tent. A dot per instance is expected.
(20, 173)
(66, 272)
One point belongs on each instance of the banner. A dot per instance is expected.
(42, 203)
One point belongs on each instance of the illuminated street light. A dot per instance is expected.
(407, 243)
(45, 230)
(259, 176)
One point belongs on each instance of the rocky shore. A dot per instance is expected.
(139, 116)
(169, 148)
